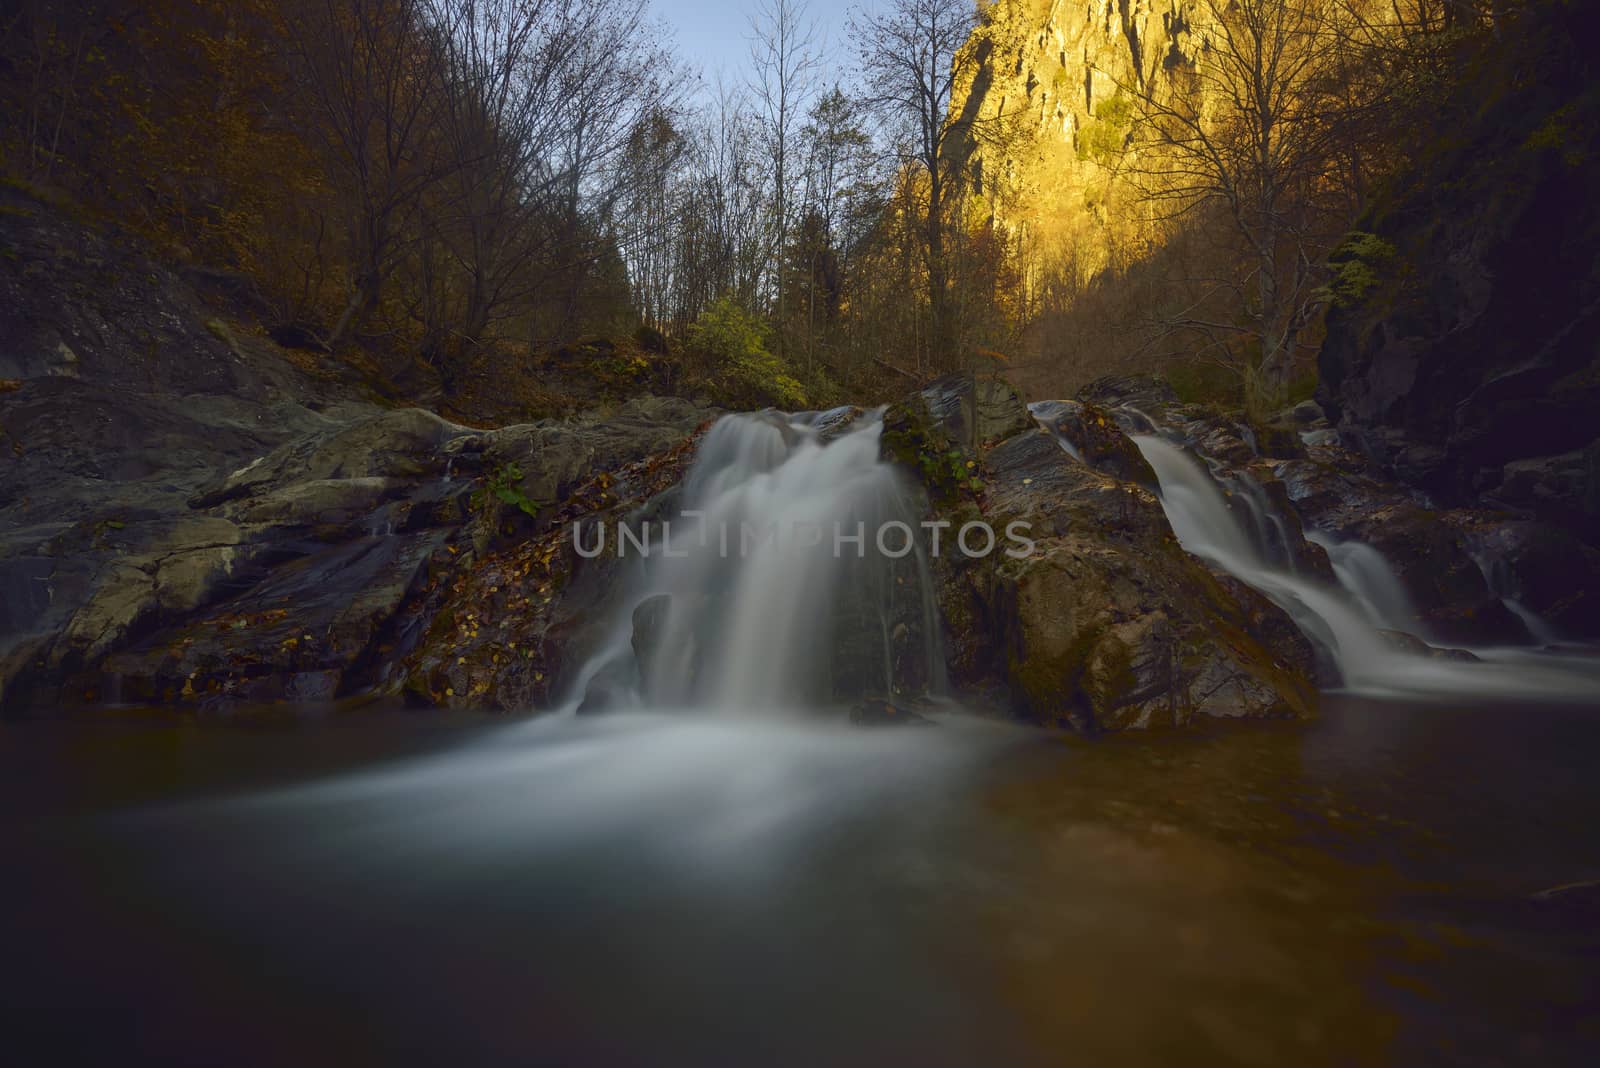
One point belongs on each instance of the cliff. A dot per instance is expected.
(1463, 350)
(1050, 104)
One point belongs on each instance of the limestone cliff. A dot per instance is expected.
(1050, 107)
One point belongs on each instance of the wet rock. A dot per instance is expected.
(1534, 482)
(1428, 549)
(352, 445)
(1410, 644)
(1307, 411)
(501, 632)
(877, 712)
(836, 421)
(1468, 367)
(1099, 440)
(650, 616)
(193, 516)
(319, 615)
(1544, 568)
(1149, 394)
(553, 457)
(1106, 624)
(972, 410)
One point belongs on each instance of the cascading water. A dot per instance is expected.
(1046, 412)
(793, 575)
(1367, 577)
(1504, 585)
(1348, 620)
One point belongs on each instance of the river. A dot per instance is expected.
(676, 888)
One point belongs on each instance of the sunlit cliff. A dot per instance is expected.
(1050, 106)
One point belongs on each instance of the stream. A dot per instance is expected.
(674, 889)
(713, 873)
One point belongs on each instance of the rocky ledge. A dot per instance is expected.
(1108, 624)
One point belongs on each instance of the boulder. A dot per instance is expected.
(972, 410)
(1113, 626)
(1104, 622)
(1306, 412)
(1096, 438)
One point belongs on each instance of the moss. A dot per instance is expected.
(945, 470)
(1052, 685)
(1360, 263)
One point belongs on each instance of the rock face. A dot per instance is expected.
(1105, 624)
(1469, 362)
(1462, 570)
(191, 515)
(1051, 75)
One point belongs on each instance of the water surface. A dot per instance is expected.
(663, 888)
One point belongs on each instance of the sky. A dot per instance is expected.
(714, 35)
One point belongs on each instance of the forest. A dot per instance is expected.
(426, 186)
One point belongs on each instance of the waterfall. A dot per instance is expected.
(1503, 584)
(1370, 581)
(1046, 413)
(1355, 621)
(792, 575)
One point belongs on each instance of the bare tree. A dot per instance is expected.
(1249, 129)
(912, 59)
(371, 71)
(544, 94)
(840, 192)
(784, 58)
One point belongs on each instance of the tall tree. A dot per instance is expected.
(839, 188)
(784, 59)
(372, 72)
(1250, 131)
(912, 59)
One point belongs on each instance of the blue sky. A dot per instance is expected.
(714, 34)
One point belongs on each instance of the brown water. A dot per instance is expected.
(670, 889)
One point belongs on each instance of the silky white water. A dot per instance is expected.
(1346, 620)
(792, 575)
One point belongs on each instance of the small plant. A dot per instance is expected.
(1104, 137)
(504, 484)
(625, 365)
(949, 471)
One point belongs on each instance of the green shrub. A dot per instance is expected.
(733, 343)
(1103, 138)
(1356, 267)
